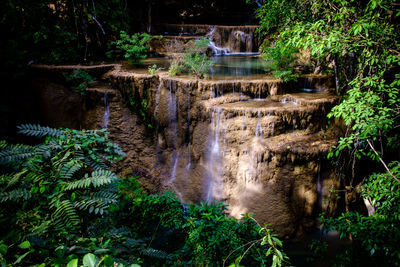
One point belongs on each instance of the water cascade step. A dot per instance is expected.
(225, 40)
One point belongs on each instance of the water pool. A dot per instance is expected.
(230, 67)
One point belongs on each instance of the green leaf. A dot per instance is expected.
(3, 249)
(89, 260)
(25, 245)
(20, 258)
(73, 263)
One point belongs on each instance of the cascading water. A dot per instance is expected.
(259, 130)
(106, 116)
(188, 133)
(214, 181)
(159, 138)
(308, 87)
(173, 120)
(244, 40)
(218, 51)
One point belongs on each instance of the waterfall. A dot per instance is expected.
(188, 133)
(239, 37)
(106, 115)
(286, 101)
(173, 120)
(214, 163)
(218, 51)
(157, 100)
(259, 130)
(308, 87)
(173, 134)
(155, 114)
(245, 39)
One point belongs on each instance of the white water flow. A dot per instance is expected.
(188, 133)
(218, 51)
(248, 170)
(285, 101)
(244, 38)
(237, 36)
(213, 183)
(173, 131)
(106, 116)
(259, 130)
(158, 93)
(155, 115)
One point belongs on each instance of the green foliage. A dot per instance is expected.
(153, 70)
(375, 238)
(78, 80)
(384, 191)
(360, 41)
(57, 184)
(58, 31)
(194, 59)
(134, 47)
(281, 56)
(69, 209)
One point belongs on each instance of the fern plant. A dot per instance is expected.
(65, 178)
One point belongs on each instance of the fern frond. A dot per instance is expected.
(4, 178)
(98, 203)
(68, 170)
(98, 178)
(95, 165)
(3, 144)
(35, 176)
(38, 131)
(132, 243)
(16, 177)
(79, 155)
(16, 153)
(154, 253)
(15, 195)
(46, 149)
(65, 215)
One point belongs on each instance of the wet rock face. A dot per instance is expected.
(256, 144)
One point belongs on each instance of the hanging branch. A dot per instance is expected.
(383, 163)
(97, 22)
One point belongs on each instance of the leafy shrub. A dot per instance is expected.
(375, 237)
(153, 70)
(281, 56)
(194, 59)
(57, 187)
(78, 80)
(134, 47)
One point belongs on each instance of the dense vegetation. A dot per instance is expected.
(358, 42)
(62, 204)
(61, 201)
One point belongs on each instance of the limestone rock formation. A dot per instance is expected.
(259, 145)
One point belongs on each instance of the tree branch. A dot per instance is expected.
(383, 163)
